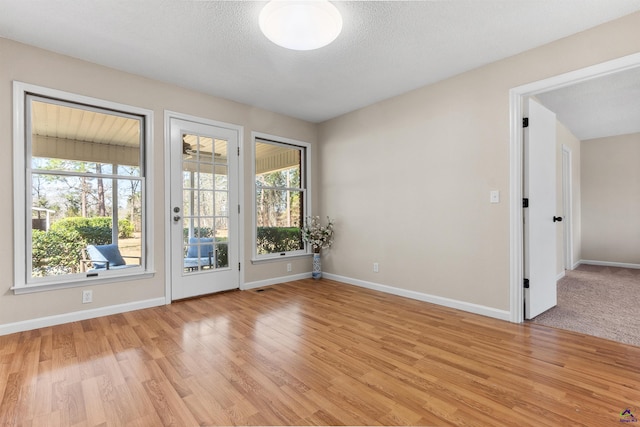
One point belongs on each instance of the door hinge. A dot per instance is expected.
(238, 208)
(238, 266)
(238, 151)
(525, 122)
(526, 283)
(525, 203)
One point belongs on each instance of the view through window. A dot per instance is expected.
(86, 176)
(280, 197)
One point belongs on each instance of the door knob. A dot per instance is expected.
(557, 219)
(176, 218)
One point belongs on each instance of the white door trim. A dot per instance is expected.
(168, 115)
(516, 97)
(567, 205)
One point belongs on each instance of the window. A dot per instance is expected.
(83, 203)
(281, 196)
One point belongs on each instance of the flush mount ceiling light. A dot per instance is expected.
(300, 25)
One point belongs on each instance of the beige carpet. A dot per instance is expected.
(599, 301)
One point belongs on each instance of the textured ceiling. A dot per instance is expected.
(604, 106)
(386, 47)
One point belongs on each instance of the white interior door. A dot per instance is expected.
(540, 217)
(204, 209)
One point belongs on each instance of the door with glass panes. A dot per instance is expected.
(204, 209)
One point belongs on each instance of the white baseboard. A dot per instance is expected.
(446, 302)
(43, 322)
(275, 281)
(560, 275)
(609, 263)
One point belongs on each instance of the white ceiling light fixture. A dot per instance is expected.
(300, 25)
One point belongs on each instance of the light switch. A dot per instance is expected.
(494, 196)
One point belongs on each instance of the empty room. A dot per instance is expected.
(307, 213)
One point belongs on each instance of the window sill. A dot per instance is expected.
(279, 258)
(85, 281)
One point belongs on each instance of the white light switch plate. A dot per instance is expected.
(494, 196)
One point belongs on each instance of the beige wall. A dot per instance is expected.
(39, 67)
(564, 137)
(611, 199)
(408, 179)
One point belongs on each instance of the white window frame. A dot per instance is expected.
(22, 198)
(305, 178)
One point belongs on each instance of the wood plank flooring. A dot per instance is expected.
(312, 353)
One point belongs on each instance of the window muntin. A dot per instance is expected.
(205, 194)
(85, 167)
(280, 197)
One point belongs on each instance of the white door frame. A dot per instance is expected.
(567, 205)
(168, 115)
(517, 96)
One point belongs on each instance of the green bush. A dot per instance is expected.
(125, 229)
(223, 254)
(95, 230)
(60, 250)
(279, 239)
(56, 252)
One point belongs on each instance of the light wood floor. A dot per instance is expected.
(312, 353)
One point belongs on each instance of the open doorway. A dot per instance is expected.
(570, 81)
(598, 296)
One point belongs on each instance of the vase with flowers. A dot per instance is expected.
(318, 237)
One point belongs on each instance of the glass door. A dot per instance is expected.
(204, 216)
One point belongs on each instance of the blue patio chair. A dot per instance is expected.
(205, 258)
(108, 257)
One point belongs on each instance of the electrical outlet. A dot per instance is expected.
(87, 297)
(375, 267)
(288, 267)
